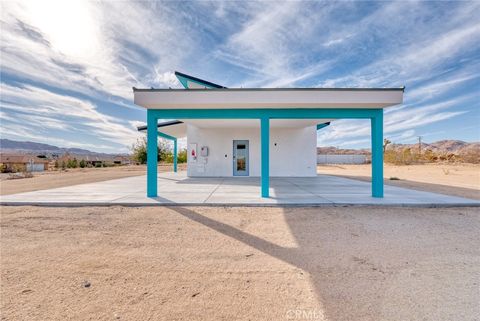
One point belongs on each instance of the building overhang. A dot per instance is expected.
(277, 98)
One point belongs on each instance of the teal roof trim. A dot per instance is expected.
(320, 126)
(185, 79)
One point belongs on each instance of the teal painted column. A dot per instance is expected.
(152, 154)
(175, 155)
(174, 140)
(265, 155)
(377, 153)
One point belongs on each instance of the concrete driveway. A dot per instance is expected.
(177, 188)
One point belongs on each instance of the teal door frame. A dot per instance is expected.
(264, 115)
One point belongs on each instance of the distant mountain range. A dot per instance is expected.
(17, 147)
(442, 147)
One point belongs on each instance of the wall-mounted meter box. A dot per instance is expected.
(204, 151)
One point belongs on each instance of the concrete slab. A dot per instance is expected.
(177, 189)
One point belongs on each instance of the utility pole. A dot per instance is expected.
(419, 145)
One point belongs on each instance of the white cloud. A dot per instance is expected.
(268, 46)
(166, 78)
(398, 125)
(90, 47)
(418, 58)
(33, 110)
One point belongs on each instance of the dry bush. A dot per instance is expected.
(19, 175)
(408, 156)
(472, 157)
(400, 157)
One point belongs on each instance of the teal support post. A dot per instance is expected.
(377, 153)
(265, 155)
(175, 155)
(174, 140)
(152, 154)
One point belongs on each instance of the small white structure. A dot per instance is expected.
(341, 159)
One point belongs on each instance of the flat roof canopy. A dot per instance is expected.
(250, 98)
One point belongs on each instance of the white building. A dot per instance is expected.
(257, 131)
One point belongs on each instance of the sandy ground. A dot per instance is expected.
(179, 263)
(452, 179)
(54, 179)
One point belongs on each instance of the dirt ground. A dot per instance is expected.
(213, 263)
(452, 179)
(54, 179)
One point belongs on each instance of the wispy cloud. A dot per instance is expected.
(268, 45)
(67, 67)
(396, 124)
(98, 48)
(41, 113)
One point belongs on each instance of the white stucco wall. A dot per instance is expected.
(292, 151)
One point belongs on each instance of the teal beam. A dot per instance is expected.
(152, 154)
(291, 113)
(174, 139)
(265, 155)
(377, 154)
(163, 135)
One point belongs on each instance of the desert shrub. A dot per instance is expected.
(139, 151)
(400, 157)
(20, 174)
(182, 156)
(429, 156)
(472, 157)
(97, 165)
(74, 163)
(169, 158)
(82, 163)
(407, 157)
(392, 156)
(27, 174)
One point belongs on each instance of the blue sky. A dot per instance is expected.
(67, 67)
